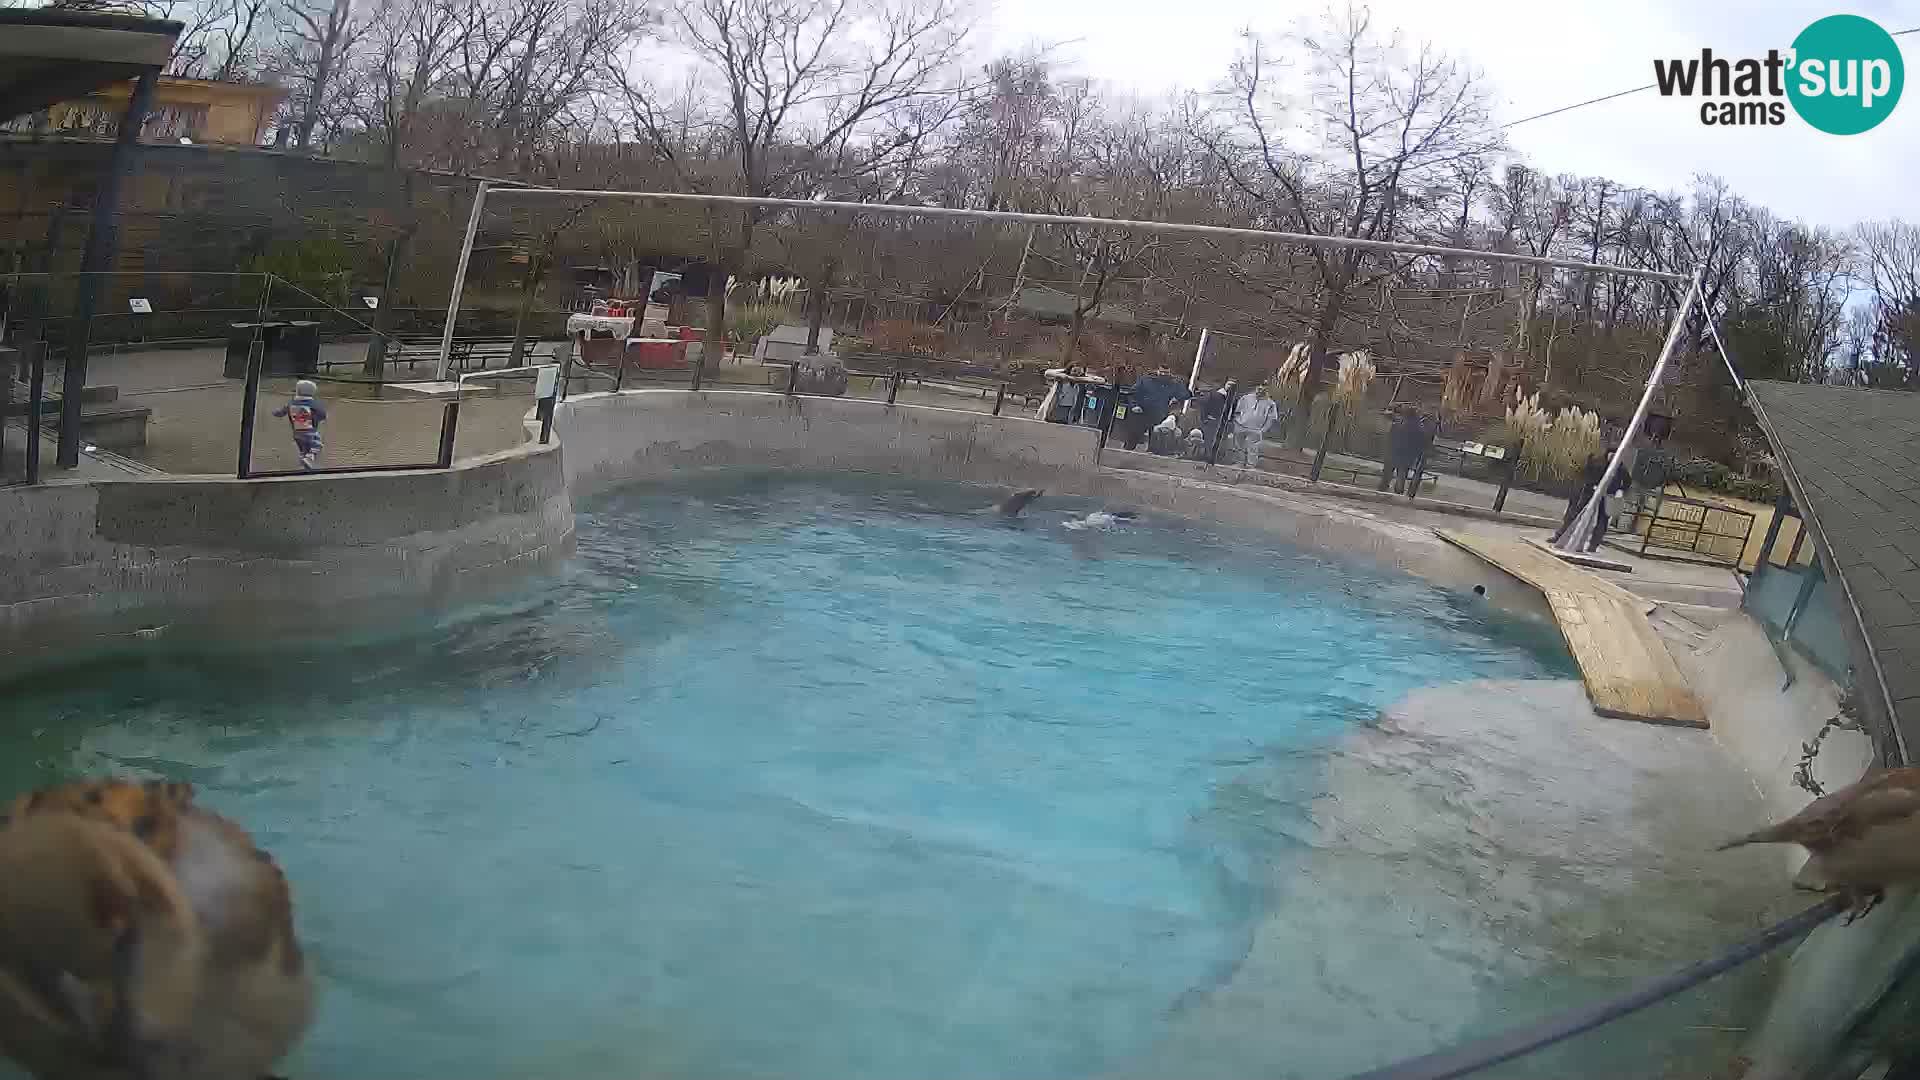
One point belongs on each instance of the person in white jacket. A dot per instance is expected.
(1252, 415)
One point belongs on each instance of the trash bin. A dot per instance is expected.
(240, 339)
(299, 350)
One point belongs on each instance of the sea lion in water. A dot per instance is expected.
(1016, 502)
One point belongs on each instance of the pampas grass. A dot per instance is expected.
(1355, 375)
(1551, 445)
(1292, 375)
(1456, 396)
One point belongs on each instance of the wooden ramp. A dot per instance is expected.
(1626, 666)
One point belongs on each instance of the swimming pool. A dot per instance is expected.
(808, 778)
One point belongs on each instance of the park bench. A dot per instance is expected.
(1029, 387)
(467, 354)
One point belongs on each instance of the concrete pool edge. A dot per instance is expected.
(636, 436)
(88, 565)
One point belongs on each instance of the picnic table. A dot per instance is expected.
(620, 326)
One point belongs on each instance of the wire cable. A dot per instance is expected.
(1475, 1056)
(1624, 93)
(1576, 105)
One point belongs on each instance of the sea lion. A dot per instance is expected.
(1016, 502)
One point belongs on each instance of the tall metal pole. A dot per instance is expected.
(460, 282)
(1199, 353)
(1574, 537)
(102, 238)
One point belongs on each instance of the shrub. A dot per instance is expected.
(748, 323)
(906, 337)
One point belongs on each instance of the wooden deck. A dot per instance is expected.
(1626, 666)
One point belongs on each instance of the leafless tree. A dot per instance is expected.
(318, 38)
(1361, 158)
(1891, 265)
(802, 94)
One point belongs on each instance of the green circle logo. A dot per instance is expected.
(1847, 74)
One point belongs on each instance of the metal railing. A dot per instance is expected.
(883, 382)
(27, 366)
(1678, 527)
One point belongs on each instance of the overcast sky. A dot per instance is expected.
(1535, 63)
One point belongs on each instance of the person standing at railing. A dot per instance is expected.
(1252, 416)
(1400, 437)
(1153, 397)
(1596, 470)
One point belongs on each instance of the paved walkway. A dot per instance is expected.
(195, 426)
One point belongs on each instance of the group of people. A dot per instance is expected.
(1409, 438)
(1191, 430)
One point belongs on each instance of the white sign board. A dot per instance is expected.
(140, 305)
(370, 301)
(546, 381)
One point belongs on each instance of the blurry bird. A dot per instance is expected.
(1863, 838)
(100, 952)
(206, 978)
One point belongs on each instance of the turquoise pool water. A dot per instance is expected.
(795, 779)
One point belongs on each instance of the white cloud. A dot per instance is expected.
(1538, 58)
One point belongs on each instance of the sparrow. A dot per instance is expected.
(177, 960)
(1863, 838)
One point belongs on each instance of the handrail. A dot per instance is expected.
(1488, 1052)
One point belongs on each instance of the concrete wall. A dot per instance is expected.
(1762, 721)
(85, 564)
(657, 434)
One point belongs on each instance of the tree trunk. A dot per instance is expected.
(1073, 336)
(529, 285)
(1318, 355)
(817, 305)
(375, 366)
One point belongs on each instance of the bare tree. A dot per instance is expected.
(1891, 262)
(318, 40)
(1361, 160)
(805, 93)
(412, 46)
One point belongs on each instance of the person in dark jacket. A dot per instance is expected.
(1591, 475)
(1215, 405)
(1397, 459)
(1419, 442)
(1153, 397)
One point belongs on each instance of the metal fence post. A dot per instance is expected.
(1653, 520)
(256, 359)
(699, 369)
(999, 398)
(449, 427)
(793, 376)
(1506, 479)
(893, 386)
(36, 401)
(1781, 503)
